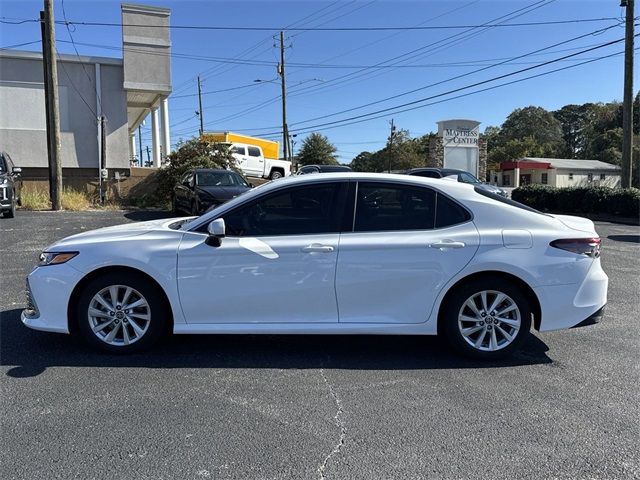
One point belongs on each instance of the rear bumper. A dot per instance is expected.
(567, 306)
(592, 319)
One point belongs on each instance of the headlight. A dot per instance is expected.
(55, 258)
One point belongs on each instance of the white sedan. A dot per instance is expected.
(340, 253)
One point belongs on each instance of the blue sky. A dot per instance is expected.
(315, 91)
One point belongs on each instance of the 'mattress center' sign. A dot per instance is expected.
(459, 133)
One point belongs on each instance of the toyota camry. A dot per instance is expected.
(340, 253)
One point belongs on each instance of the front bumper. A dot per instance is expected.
(50, 289)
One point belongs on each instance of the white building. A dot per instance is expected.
(123, 90)
(556, 172)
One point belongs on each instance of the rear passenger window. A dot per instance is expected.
(385, 207)
(254, 152)
(449, 212)
(238, 150)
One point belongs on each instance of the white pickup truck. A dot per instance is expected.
(252, 162)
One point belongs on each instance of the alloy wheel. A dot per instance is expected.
(489, 320)
(119, 315)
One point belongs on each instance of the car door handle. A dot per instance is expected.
(446, 244)
(317, 248)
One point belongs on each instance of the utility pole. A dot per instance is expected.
(52, 109)
(285, 130)
(103, 157)
(148, 156)
(627, 104)
(140, 143)
(200, 112)
(391, 137)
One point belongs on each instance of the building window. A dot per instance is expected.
(571, 176)
(544, 178)
(506, 180)
(590, 177)
(602, 176)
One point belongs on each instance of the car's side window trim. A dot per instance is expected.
(435, 220)
(340, 203)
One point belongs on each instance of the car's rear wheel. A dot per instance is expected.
(121, 313)
(275, 174)
(487, 318)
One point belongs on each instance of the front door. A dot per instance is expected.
(408, 241)
(276, 265)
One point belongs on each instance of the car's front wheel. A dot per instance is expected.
(486, 318)
(12, 211)
(121, 313)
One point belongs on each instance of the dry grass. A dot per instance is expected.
(35, 200)
(75, 201)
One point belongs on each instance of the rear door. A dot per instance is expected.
(407, 242)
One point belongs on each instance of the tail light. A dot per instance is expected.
(581, 246)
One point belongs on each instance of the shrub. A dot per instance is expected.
(624, 202)
(194, 153)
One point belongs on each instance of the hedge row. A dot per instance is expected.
(614, 201)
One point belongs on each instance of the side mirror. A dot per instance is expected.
(216, 230)
(251, 185)
(17, 170)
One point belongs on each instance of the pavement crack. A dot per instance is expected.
(337, 418)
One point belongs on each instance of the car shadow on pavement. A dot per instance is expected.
(29, 353)
(144, 215)
(625, 238)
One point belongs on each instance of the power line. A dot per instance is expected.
(9, 47)
(337, 29)
(455, 38)
(394, 109)
(457, 77)
(98, 94)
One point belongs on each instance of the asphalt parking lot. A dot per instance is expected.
(279, 407)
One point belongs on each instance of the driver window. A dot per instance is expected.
(296, 211)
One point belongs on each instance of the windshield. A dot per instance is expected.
(220, 179)
(465, 177)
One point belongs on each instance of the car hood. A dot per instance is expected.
(115, 232)
(223, 193)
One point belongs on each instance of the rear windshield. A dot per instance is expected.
(508, 201)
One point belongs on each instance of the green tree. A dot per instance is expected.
(535, 123)
(317, 150)
(517, 148)
(194, 153)
(362, 162)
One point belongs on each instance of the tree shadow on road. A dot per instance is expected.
(29, 353)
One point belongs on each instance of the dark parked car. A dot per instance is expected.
(322, 169)
(462, 175)
(203, 188)
(10, 186)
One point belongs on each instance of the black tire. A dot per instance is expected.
(275, 174)
(455, 306)
(11, 213)
(158, 311)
